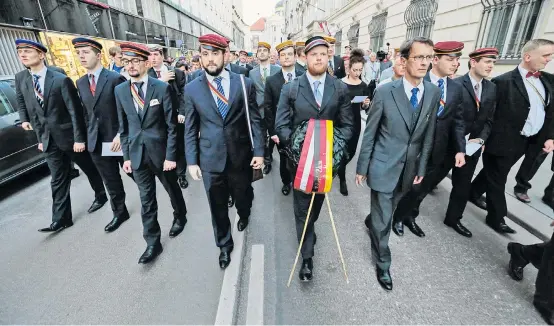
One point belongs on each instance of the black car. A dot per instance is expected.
(18, 148)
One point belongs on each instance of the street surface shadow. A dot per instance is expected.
(20, 183)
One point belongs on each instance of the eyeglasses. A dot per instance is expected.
(420, 58)
(135, 61)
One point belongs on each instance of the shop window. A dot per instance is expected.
(420, 18)
(76, 17)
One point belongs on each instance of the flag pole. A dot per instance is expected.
(301, 239)
(336, 236)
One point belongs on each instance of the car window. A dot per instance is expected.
(5, 106)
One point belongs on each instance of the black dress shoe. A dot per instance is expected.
(479, 202)
(231, 201)
(177, 227)
(266, 169)
(224, 259)
(397, 228)
(545, 312)
(306, 271)
(115, 223)
(548, 201)
(502, 228)
(183, 182)
(517, 261)
(458, 227)
(74, 173)
(384, 279)
(412, 226)
(242, 224)
(97, 204)
(343, 188)
(57, 226)
(286, 189)
(150, 254)
(367, 221)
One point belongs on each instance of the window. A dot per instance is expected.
(353, 32)
(127, 5)
(22, 13)
(77, 17)
(338, 42)
(420, 18)
(377, 27)
(155, 33)
(152, 10)
(507, 25)
(5, 106)
(127, 27)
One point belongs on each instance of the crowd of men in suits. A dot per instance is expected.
(224, 121)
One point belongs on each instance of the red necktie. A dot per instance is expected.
(535, 74)
(158, 73)
(92, 84)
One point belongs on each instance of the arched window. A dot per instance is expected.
(353, 32)
(420, 18)
(377, 27)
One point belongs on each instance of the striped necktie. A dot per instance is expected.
(222, 106)
(38, 91)
(441, 105)
(330, 69)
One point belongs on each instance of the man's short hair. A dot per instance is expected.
(535, 44)
(300, 50)
(406, 47)
(195, 59)
(114, 50)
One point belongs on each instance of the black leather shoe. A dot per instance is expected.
(74, 173)
(412, 226)
(286, 189)
(343, 188)
(545, 312)
(517, 261)
(266, 169)
(115, 223)
(306, 271)
(97, 204)
(177, 227)
(224, 259)
(398, 228)
(242, 224)
(458, 227)
(231, 201)
(502, 228)
(479, 202)
(183, 182)
(548, 201)
(57, 226)
(367, 221)
(150, 254)
(384, 279)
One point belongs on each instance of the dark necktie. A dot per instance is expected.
(38, 90)
(158, 74)
(413, 99)
(289, 76)
(441, 105)
(92, 85)
(222, 106)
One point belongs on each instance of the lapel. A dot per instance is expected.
(235, 87)
(47, 87)
(469, 87)
(28, 84)
(130, 103)
(306, 90)
(149, 92)
(548, 89)
(298, 73)
(207, 94)
(450, 95)
(426, 107)
(102, 79)
(328, 92)
(152, 73)
(402, 102)
(518, 81)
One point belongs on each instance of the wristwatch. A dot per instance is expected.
(481, 141)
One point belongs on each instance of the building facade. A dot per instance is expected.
(371, 24)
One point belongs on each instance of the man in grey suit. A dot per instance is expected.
(397, 143)
(260, 73)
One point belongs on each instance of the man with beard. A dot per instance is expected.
(97, 94)
(148, 134)
(314, 95)
(50, 102)
(219, 149)
(336, 64)
(273, 87)
(300, 57)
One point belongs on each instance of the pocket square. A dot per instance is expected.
(154, 102)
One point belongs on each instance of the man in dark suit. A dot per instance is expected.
(97, 94)
(313, 95)
(148, 134)
(49, 101)
(177, 80)
(479, 102)
(336, 64)
(220, 147)
(449, 144)
(523, 119)
(273, 87)
(397, 144)
(300, 64)
(243, 60)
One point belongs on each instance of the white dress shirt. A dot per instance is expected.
(312, 79)
(144, 79)
(535, 119)
(163, 68)
(42, 74)
(435, 80)
(480, 83)
(225, 83)
(96, 74)
(408, 89)
(285, 75)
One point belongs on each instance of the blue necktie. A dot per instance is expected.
(441, 105)
(413, 99)
(222, 106)
(317, 93)
(38, 91)
(289, 75)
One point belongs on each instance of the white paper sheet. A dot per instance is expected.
(359, 99)
(107, 150)
(471, 148)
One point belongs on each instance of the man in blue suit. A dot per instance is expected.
(219, 145)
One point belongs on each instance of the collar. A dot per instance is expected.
(285, 73)
(473, 81)
(303, 64)
(267, 66)
(312, 79)
(224, 74)
(228, 66)
(163, 68)
(408, 86)
(96, 73)
(522, 71)
(144, 79)
(41, 73)
(434, 78)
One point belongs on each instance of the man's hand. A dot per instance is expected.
(275, 139)
(167, 76)
(181, 118)
(116, 144)
(417, 180)
(26, 126)
(195, 173)
(460, 160)
(79, 147)
(169, 165)
(127, 167)
(257, 162)
(548, 146)
(40, 147)
(360, 180)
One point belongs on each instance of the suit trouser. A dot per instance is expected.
(380, 219)
(286, 177)
(534, 157)
(181, 159)
(145, 178)
(108, 166)
(218, 187)
(541, 255)
(301, 204)
(59, 163)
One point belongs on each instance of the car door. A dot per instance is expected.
(18, 147)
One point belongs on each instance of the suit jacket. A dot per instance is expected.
(177, 89)
(234, 68)
(449, 131)
(256, 76)
(248, 66)
(340, 71)
(100, 109)
(299, 67)
(478, 122)
(272, 92)
(61, 118)
(221, 140)
(335, 106)
(156, 133)
(391, 147)
(512, 109)
(58, 69)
